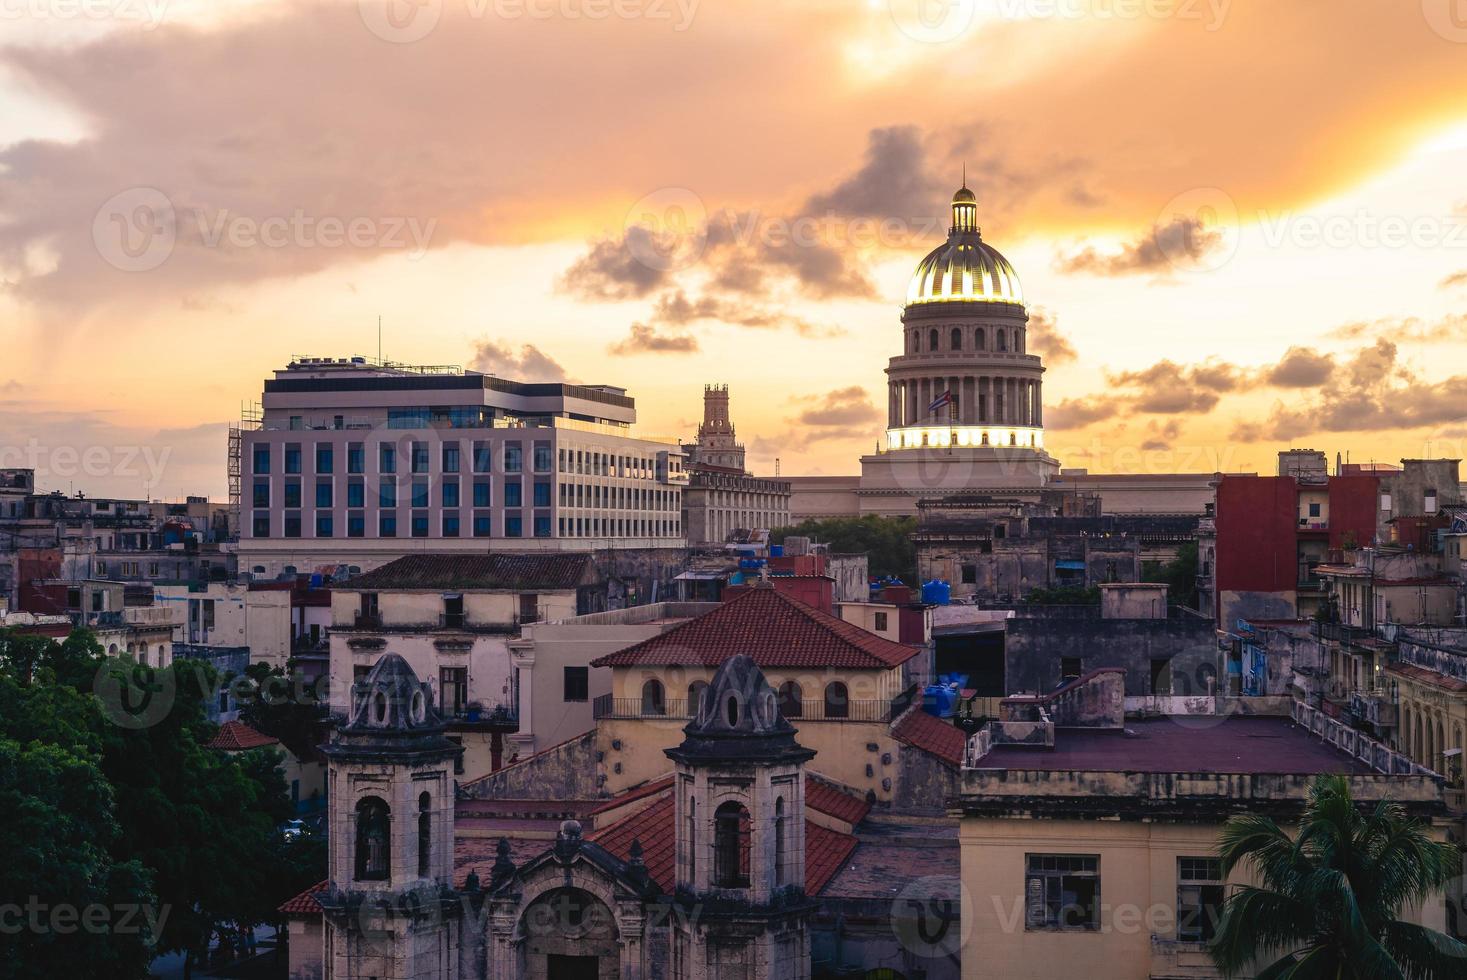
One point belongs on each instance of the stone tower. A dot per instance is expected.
(717, 445)
(390, 908)
(740, 836)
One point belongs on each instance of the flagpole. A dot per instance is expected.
(952, 420)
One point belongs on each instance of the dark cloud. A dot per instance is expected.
(894, 181)
(1376, 393)
(1451, 328)
(528, 364)
(1183, 240)
(618, 268)
(675, 308)
(1168, 388)
(1043, 338)
(1301, 367)
(841, 408)
(1076, 413)
(644, 339)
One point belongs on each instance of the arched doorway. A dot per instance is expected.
(569, 934)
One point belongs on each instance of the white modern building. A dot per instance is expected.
(354, 463)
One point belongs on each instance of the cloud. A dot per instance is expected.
(1451, 328)
(1181, 241)
(675, 308)
(529, 364)
(644, 339)
(1043, 338)
(894, 181)
(1168, 388)
(1376, 393)
(1301, 367)
(841, 408)
(1076, 413)
(1454, 280)
(617, 268)
(845, 413)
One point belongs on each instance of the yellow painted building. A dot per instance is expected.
(1092, 852)
(840, 685)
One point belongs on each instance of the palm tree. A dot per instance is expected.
(1331, 897)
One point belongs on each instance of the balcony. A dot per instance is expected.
(1341, 633)
(1375, 707)
(807, 710)
(459, 622)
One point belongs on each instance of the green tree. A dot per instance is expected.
(1180, 575)
(1330, 898)
(886, 541)
(199, 827)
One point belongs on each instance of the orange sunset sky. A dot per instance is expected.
(1241, 225)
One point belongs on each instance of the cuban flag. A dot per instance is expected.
(941, 401)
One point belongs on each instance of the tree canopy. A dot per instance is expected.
(1330, 898)
(107, 764)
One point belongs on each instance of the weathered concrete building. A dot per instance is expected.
(1089, 841)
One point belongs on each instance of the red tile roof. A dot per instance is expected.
(825, 850)
(775, 629)
(820, 795)
(647, 789)
(932, 735)
(1425, 675)
(236, 736)
(305, 903)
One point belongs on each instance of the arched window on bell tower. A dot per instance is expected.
(781, 878)
(731, 846)
(957, 338)
(1003, 340)
(425, 835)
(932, 339)
(980, 339)
(374, 840)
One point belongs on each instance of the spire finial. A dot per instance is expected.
(965, 173)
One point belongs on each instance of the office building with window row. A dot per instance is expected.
(351, 462)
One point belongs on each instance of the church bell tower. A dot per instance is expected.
(390, 908)
(740, 836)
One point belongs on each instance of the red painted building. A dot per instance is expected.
(1272, 531)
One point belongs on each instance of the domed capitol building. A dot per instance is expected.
(965, 400)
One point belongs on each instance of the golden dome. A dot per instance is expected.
(965, 268)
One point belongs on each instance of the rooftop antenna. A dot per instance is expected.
(379, 338)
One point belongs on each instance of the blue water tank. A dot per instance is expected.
(776, 551)
(936, 593)
(939, 700)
